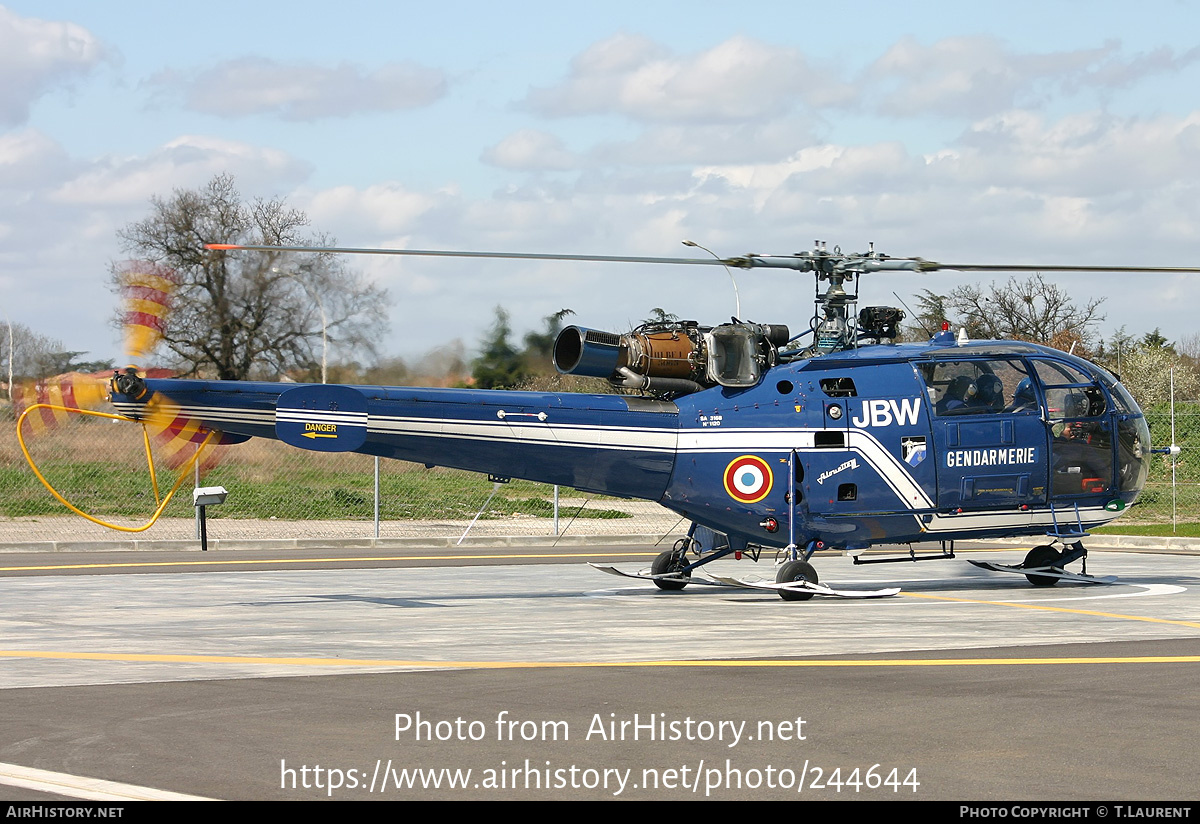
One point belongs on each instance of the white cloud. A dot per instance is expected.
(739, 78)
(756, 141)
(665, 145)
(299, 92)
(29, 158)
(1045, 191)
(38, 55)
(530, 150)
(1090, 154)
(1080, 188)
(59, 218)
(384, 210)
(185, 162)
(729, 154)
(980, 75)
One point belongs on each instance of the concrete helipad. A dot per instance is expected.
(208, 683)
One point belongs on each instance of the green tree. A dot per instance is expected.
(931, 314)
(1155, 340)
(1110, 352)
(539, 346)
(499, 365)
(658, 315)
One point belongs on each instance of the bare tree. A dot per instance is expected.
(1189, 347)
(241, 315)
(1032, 310)
(28, 357)
(34, 355)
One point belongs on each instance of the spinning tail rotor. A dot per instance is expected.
(179, 441)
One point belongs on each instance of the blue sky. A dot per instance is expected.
(1051, 132)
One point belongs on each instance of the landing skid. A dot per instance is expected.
(805, 586)
(646, 575)
(1048, 572)
(718, 580)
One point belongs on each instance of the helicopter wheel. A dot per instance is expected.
(795, 571)
(666, 563)
(1041, 556)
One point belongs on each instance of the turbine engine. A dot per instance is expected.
(672, 359)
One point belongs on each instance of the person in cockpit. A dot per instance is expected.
(959, 395)
(1024, 399)
(990, 395)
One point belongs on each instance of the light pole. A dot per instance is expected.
(10, 360)
(320, 305)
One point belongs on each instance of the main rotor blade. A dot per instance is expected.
(933, 266)
(802, 262)
(233, 247)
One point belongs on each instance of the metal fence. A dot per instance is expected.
(1172, 490)
(277, 491)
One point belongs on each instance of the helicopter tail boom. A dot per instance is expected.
(610, 444)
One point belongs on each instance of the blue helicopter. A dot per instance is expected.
(838, 438)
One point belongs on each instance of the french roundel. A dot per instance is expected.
(748, 479)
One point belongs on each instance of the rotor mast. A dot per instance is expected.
(833, 324)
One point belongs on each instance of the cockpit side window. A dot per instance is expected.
(1070, 394)
(979, 387)
(1122, 400)
(1052, 373)
(1133, 435)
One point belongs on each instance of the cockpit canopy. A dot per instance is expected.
(1090, 416)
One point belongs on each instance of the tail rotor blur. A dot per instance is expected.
(170, 437)
(147, 289)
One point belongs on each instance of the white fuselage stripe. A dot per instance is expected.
(307, 416)
(728, 440)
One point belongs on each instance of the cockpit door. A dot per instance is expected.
(1080, 425)
(989, 437)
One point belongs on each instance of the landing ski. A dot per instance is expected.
(1047, 572)
(805, 586)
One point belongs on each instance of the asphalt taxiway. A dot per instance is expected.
(354, 674)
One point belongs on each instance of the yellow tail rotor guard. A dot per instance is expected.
(162, 504)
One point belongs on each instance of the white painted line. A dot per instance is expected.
(1145, 589)
(78, 786)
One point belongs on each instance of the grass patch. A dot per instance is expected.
(1181, 530)
(101, 469)
(308, 493)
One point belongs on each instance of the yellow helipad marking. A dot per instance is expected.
(1044, 607)
(364, 559)
(762, 662)
(253, 562)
